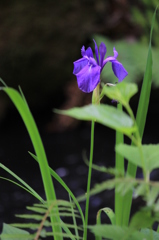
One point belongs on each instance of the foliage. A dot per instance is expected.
(39, 222)
(141, 15)
(106, 115)
(125, 183)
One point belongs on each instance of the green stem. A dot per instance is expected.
(89, 178)
(119, 165)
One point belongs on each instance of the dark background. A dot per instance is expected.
(39, 40)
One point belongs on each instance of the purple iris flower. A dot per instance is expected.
(88, 70)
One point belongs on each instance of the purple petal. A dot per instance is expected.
(83, 51)
(92, 61)
(79, 64)
(96, 52)
(89, 52)
(102, 51)
(108, 59)
(119, 70)
(86, 53)
(88, 78)
(115, 53)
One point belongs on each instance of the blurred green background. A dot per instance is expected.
(39, 40)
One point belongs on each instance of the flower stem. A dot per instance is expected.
(89, 178)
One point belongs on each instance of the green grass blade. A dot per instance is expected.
(37, 144)
(74, 219)
(27, 187)
(119, 165)
(109, 212)
(140, 119)
(1, 80)
(24, 99)
(146, 88)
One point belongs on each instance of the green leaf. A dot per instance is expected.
(13, 232)
(149, 232)
(142, 219)
(104, 114)
(107, 231)
(121, 92)
(132, 154)
(123, 185)
(116, 232)
(39, 219)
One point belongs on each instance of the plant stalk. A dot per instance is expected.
(89, 178)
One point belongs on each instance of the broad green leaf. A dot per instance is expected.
(9, 233)
(142, 219)
(104, 114)
(121, 92)
(107, 231)
(149, 232)
(116, 232)
(132, 154)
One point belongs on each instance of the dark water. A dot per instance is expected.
(64, 152)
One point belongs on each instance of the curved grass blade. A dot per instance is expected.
(27, 187)
(65, 228)
(1, 80)
(37, 144)
(109, 212)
